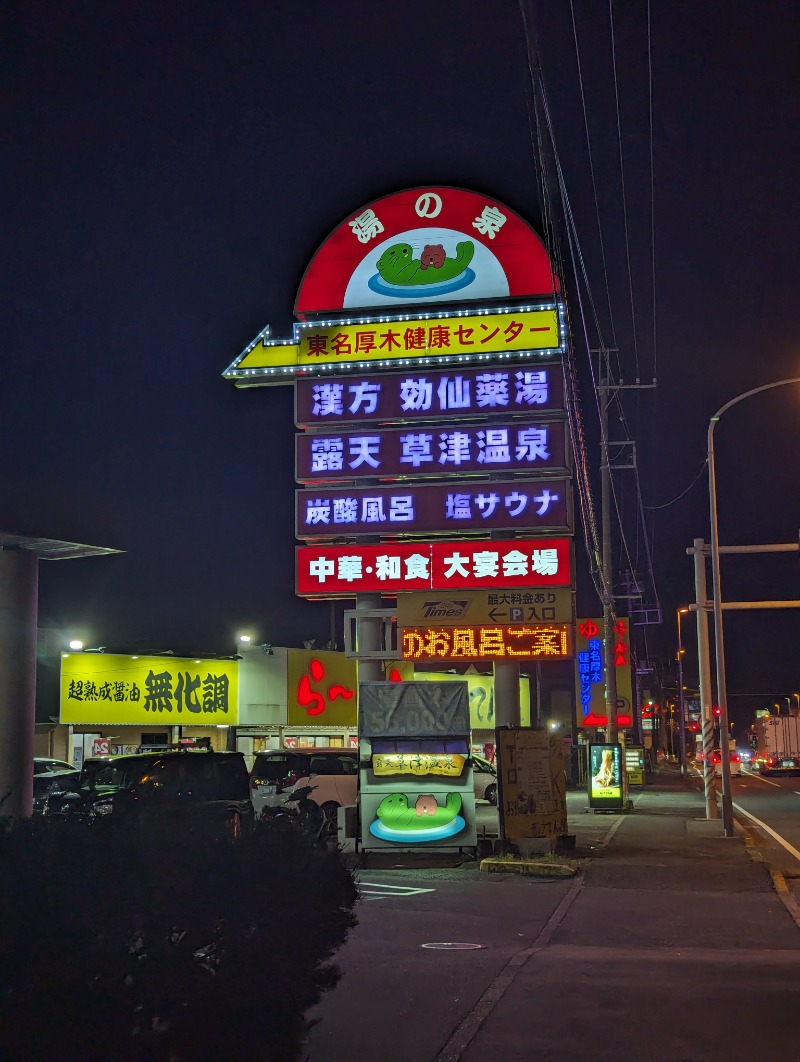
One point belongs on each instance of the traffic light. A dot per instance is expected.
(717, 712)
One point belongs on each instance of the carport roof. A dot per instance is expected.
(52, 548)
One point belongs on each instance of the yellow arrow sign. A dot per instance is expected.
(396, 341)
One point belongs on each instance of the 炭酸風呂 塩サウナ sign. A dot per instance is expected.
(104, 688)
(429, 508)
(342, 571)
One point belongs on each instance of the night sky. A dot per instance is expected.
(168, 171)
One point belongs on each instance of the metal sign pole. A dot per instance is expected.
(698, 551)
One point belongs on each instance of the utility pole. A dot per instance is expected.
(607, 390)
(609, 634)
(681, 701)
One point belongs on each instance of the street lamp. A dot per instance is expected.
(681, 612)
(797, 695)
(722, 692)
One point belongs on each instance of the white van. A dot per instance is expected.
(333, 780)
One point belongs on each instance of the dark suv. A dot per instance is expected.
(173, 783)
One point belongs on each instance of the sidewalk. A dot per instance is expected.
(665, 947)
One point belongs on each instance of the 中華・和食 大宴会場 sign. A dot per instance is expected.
(390, 568)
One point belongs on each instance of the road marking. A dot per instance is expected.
(760, 778)
(789, 847)
(371, 890)
(468, 1029)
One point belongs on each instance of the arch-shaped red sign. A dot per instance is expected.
(424, 246)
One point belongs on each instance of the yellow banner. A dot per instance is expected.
(406, 339)
(100, 688)
(447, 764)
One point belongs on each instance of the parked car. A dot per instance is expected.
(46, 773)
(276, 772)
(333, 782)
(736, 763)
(44, 765)
(484, 777)
(178, 782)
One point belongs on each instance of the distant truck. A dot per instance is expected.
(778, 744)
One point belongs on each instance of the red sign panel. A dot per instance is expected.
(391, 568)
(422, 394)
(384, 453)
(422, 246)
(409, 509)
(486, 643)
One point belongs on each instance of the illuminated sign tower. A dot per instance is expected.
(432, 450)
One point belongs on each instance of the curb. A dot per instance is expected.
(529, 868)
(756, 853)
(782, 889)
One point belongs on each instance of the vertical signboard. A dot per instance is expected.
(590, 673)
(634, 764)
(533, 782)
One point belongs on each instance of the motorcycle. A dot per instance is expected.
(300, 812)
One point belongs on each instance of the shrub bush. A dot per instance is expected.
(120, 942)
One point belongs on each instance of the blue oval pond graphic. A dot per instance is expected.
(435, 833)
(420, 291)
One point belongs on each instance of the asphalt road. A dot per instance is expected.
(774, 802)
(666, 948)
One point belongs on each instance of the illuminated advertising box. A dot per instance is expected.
(486, 643)
(421, 509)
(487, 607)
(524, 447)
(605, 777)
(344, 571)
(424, 393)
(102, 688)
(590, 673)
